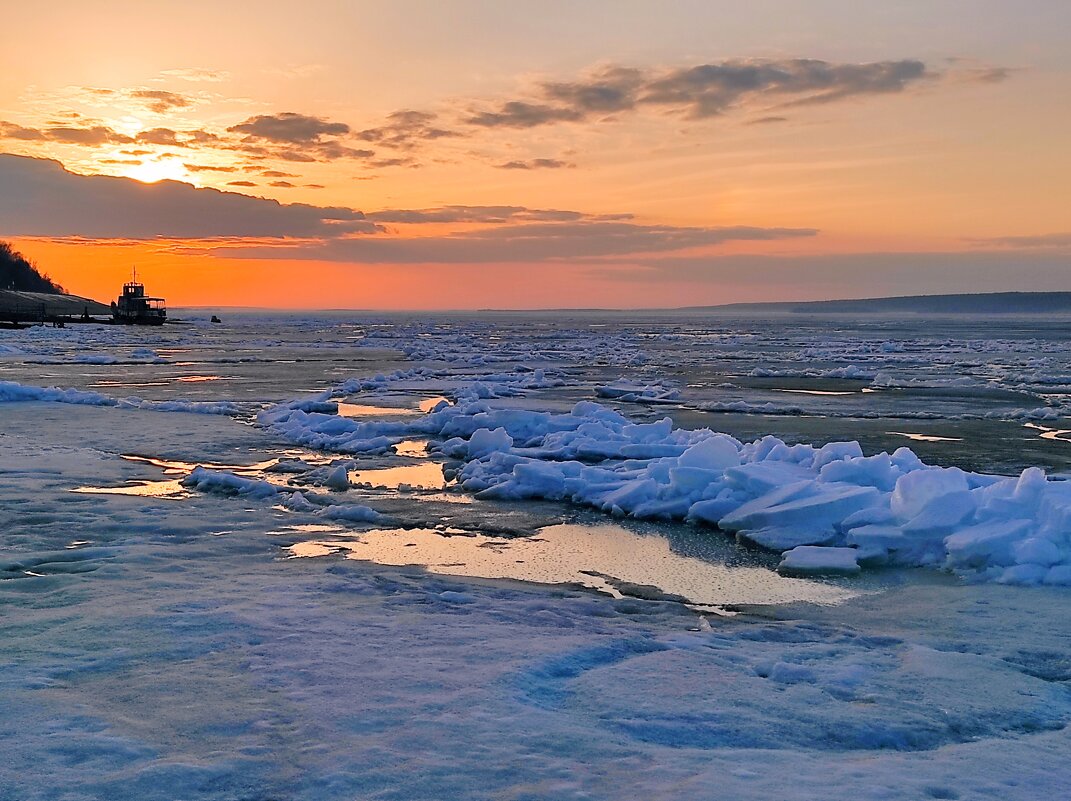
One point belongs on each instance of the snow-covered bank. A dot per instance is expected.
(869, 510)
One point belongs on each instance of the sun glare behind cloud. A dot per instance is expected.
(149, 172)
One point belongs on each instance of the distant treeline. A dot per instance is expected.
(981, 303)
(18, 272)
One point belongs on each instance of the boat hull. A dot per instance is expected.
(139, 320)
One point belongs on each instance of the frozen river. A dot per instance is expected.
(526, 556)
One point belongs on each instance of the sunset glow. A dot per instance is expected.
(658, 164)
(535, 400)
(152, 171)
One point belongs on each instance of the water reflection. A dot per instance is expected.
(428, 404)
(924, 437)
(425, 475)
(367, 410)
(168, 490)
(371, 410)
(607, 558)
(412, 447)
(129, 384)
(176, 466)
(1058, 434)
(817, 391)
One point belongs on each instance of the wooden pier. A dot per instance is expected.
(40, 308)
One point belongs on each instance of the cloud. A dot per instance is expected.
(197, 75)
(208, 168)
(521, 114)
(989, 74)
(334, 150)
(702, 91)
(536, 164)
(277, 174)
(93, 135)
(240, 183)
(297, 71)
(606, 91)
(393, 162)
(199, 137)
(289, 127)
(282, 184)
(1057, 240)
(41, 198)
(485, 214)
(161, 101)
(405, 129)
(970, 70)
(519, 243)
(159, 136)
(96, 135)
(853, 274)
(296, 137)
(9, 130)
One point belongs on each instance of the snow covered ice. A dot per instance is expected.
(663, 555)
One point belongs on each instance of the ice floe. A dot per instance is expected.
(13, 392)
(843, 507)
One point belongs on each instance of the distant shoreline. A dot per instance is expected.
(1009, 303)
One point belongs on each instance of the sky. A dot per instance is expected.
(476, 154)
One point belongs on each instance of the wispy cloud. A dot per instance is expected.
(161, 101)
(405, 129)
(536, 164)
(702, 91)
(840, 275)
(195, 75)
(520, 243)
(92, 134)
(486, 214)
(209, 168)
(1057, 240)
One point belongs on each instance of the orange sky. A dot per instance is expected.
(617, 154)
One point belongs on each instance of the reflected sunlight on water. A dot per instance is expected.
(607, 558)
(424, 406)
(174, 466)
(1058, 434)
(412, 447)
(368, 410)
(169, 490)
(924, 437)
(425, 475)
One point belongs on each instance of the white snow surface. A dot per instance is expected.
(14, 392)
(162, 648)
(891, 508)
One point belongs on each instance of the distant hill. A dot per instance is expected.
(986, 303)
(19, 273)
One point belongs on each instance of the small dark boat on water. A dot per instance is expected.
(134, 307)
